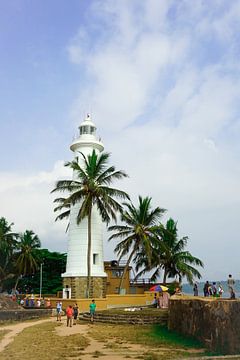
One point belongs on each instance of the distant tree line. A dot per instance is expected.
(20, 259)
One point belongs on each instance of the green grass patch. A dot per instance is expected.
(162, 335)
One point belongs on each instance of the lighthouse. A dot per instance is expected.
(75, 277)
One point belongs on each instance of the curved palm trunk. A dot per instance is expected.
(89, 252)
(16, 283)
(126, 268)
(165, 277)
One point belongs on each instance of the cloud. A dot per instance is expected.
(163, 81)
(26, 201)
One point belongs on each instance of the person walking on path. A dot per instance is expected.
(69, 313)
(59, 310)
(230, 283)
(92, 308)
(75, 314)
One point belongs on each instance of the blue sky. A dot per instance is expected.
(161, 81)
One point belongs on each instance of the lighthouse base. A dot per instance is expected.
(76, 287)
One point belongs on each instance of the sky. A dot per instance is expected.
(161, 80)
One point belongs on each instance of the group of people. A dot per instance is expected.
(72, 312)
(216, 289)
(32, 302)
(161, 301)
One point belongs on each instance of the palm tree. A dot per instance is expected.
(8, 241)
(170, 256)
(26, 257)
(91, 187)
(137, 233)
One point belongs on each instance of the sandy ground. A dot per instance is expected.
(110, 349)
(14, 330)
(106, 350)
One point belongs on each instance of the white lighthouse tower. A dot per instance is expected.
(75, 277)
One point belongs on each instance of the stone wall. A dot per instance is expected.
(215, 322)
(24, 314)
(78, 286)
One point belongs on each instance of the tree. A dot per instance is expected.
(91, 187)
(170, 256)
(26, 257)
(54, 264)
(8, 241)
(137, 233)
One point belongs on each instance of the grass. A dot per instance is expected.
(42, 342)
(158, 341)
(3, 333)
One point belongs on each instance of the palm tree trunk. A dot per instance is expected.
(16, 283)
(165, 277)
(126, 268)
(89, 252)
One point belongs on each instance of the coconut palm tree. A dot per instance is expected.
(8, 241)
(26, 257)
(137, 232)
(170, 256)
(91, 187)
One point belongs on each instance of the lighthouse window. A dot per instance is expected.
(84, 130)
(92, 129)
(95, 259)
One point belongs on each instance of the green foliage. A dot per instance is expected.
(137, 233)
(53, 265)
(169, 256)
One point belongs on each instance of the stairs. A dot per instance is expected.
(128, 317)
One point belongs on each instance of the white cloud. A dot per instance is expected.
(26, 201)
(168, 106)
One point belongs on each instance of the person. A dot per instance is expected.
(206, 288)
(160, 300)
(92, 308)
(59, 310)
(75, 314)
(165, 297)
(48, 304)
(38, 304)
(27, 302)
(220, 290)
(195, 290)
(155, 301)
(214, 289)
(232, 294)
(69, 313)
(230, 283)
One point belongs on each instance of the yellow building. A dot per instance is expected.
(114, 271)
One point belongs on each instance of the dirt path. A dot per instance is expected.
(108, 350)
(15, 329)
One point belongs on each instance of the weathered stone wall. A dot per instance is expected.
(215, 322)
(24, 314)
(78, 286)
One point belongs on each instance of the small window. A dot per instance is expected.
(95, 259)
(117, 273)
(92, 130)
